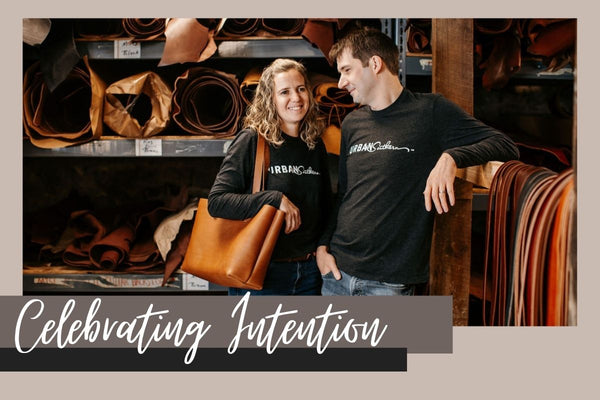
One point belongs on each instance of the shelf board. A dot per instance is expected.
(65, 279)
(294, 46)
(156, 146)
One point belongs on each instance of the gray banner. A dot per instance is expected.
(421, 324)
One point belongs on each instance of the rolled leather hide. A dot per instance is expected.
(329, 97)
(187, 41)
(549, 38)
(35, 30)
(249, 84)
(99, 28)
(207, 102)
(283, 26)
(71, 114)
(112, 250)
(235, 27)
(88, 230)
(138, 118)
(144, 28)
(493, 26)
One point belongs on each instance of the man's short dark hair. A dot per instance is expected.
(364, 43)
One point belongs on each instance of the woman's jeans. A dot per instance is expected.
(294, 278)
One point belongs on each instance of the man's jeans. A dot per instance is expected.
(296, 278)
(352, 286)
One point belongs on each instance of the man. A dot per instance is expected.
(398, 159)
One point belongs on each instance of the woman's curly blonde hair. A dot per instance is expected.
(262, 116)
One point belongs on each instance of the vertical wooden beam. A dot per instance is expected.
(452, 46)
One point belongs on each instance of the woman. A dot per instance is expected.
(284, 112)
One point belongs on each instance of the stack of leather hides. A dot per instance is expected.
(70, 114)
(530, 263)
(242, 27)
(207, 102)
(499, 44)
(144, 28)
(138, 106)
(124, 240)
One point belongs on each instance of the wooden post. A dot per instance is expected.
(452, 46)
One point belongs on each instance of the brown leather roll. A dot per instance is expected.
(187, 41)
(99, 28)
(71, 114)
(177, 252)
(283, 26)
(88, 230)
(239, 27)
(207, 102)
(111, 251)
(417, 40)
(551, 38)
(249, 84)
(144, 28)
(493, 26)
(146, 111)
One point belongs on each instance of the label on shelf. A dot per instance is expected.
(191, 282)
(148, 147)
(127, 49)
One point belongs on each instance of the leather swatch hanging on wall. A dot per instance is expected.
(207, 102)
(71, 114)
(146, 111)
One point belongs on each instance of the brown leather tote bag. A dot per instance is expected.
(235, 253)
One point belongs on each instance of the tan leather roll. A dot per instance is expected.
(71, 114)
(207, 102)
(138, 118)
(88, 230)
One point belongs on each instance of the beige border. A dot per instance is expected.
(487, 362)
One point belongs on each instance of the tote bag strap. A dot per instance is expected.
(261, 165)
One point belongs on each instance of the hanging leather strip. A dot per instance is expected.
(562, 229)
(70, 115)
(207, 102)
(187, 41)
(144, 28)
(138, 118)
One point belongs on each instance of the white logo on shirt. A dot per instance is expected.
(292, 169)
(375, 146)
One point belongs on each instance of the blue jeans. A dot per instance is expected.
(297, 278)
(352, 286)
